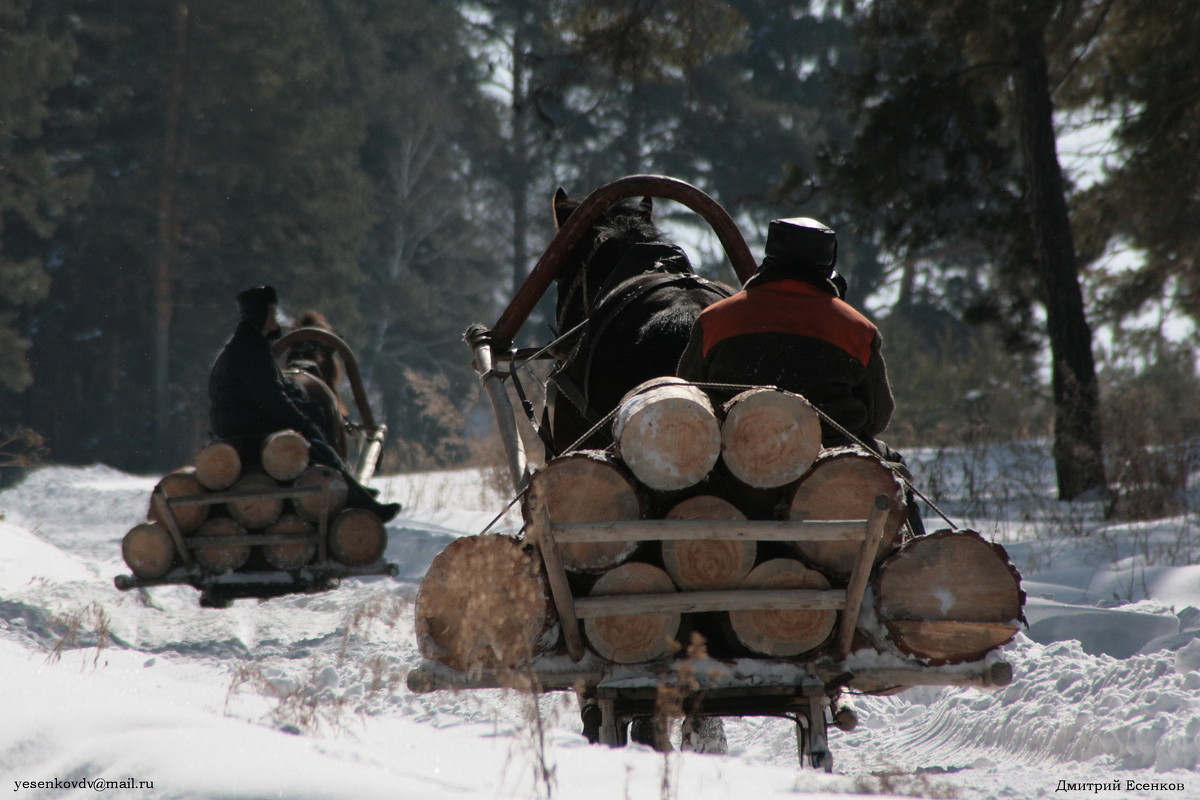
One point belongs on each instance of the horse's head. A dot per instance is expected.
(589, 264)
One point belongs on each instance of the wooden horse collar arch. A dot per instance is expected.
(582, 219)
(334, 342)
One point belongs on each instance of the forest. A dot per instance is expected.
(1014, 185)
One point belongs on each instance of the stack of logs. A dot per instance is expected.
(232, 502)
(946, 597)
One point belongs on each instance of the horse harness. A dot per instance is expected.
(630, 281)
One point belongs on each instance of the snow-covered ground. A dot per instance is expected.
(305, 697)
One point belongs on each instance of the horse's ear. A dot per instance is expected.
(563, 206)
(647, 206)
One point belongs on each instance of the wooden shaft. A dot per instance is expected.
(539, 533)
(510, 437)
(721, 600)
(690, 530)
(861, 573)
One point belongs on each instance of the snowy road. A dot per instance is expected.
(304, 697)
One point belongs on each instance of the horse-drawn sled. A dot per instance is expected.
(692, 550)
(280, 526)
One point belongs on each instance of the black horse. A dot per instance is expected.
(314, 370)
(633, 298)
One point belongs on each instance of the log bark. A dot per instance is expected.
(703, 565)
(483, 605)
(182, 483)
(589, 486)
(293, 555)
(357, 538)
(769, 438)
(148, 550)
(843, 484)
(255, 512)
(783, 633)
(949, 597)
(218, 466)
(285, 455)
(310, 506)
(667, 434)
(638, 637)
(221, 558)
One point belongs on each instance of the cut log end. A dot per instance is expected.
(588, 486)
(667, 434)
(285, 455)
(290, 555)
(218, 466)
(181, 483)
(949, 597)
(769, 438)
(357, 537)
(221, 558)
(787, 633)
(311, 506)
(148, 550)
(482, 605)
(704, 565)
(255, 512)
(635, 638)
(843, 484)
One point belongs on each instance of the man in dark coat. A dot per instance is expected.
(249, 398)
(789, 327)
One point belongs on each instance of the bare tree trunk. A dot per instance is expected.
(1078, 442)
(519, 181)
(168, 230)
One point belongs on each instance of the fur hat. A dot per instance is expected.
(801, 241)
(253, 302)
(801, 249)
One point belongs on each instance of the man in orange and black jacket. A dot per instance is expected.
(789, 327)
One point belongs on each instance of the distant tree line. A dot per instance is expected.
(390, 163)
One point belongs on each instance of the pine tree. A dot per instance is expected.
(37, 188)
(949, 157)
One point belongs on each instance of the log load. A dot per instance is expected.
(667, 434)
(483, 606)
(783, 633)
(148, 550)
(290, 555)
(181, 483)
(357, 537)
(285, 455)
(218, 466)
(949, 596)
(843, 484)
(221, 558)
(255, 512)
(701, 565)
(310, 506)
(769, 438)
(637, 637)
(589, 486)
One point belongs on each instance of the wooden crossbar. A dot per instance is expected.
(681, 530)
(725, 600)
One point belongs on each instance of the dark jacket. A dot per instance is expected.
(248, 396)
(800, 337)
